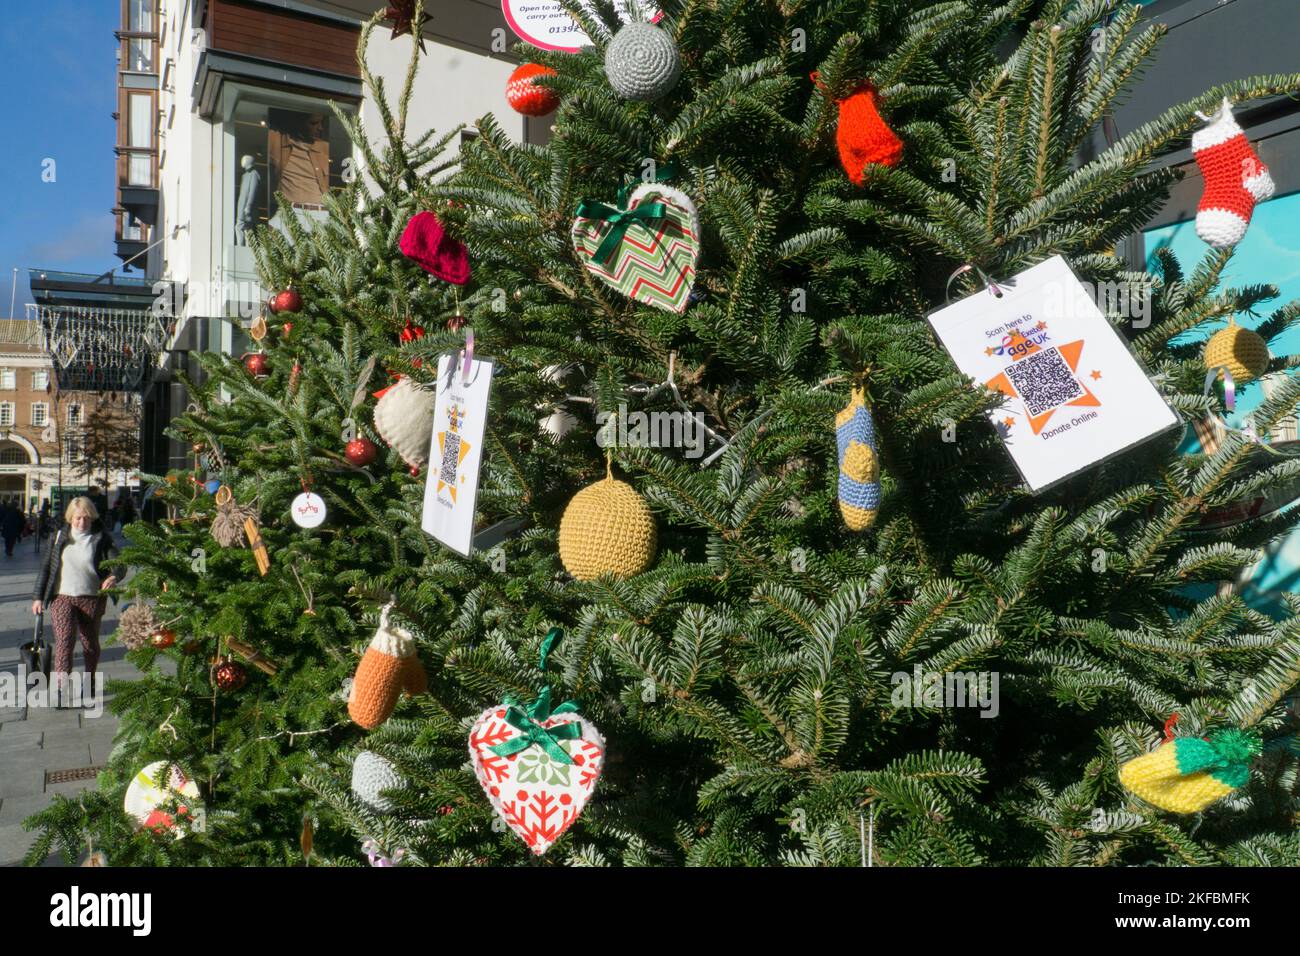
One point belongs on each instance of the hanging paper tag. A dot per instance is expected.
(1075, 394)
(308, 510)
(545, 24)
(456, 451)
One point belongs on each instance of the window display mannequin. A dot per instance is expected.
(250, 186)
(300, 156)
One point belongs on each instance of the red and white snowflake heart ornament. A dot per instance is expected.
(537, 768)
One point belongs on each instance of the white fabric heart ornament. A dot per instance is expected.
(516, 760)
(404, 419)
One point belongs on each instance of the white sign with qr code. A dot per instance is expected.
(1075, 394)
(456, 450)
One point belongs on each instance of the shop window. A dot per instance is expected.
(293, 147)
(139, 56)
(139, 16)
(1269, 254)
(131, 227)
(141, 120)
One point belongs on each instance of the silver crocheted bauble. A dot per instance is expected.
(372, 774)
(642, 62)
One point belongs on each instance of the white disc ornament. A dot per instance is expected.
(517, 752)
(147, 792)
(308, 510)
(404, 419)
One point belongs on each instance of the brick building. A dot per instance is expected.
(52, 438)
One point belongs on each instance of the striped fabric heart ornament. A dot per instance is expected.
(648, 250)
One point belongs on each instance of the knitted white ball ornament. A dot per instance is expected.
(404, 419)
(642, 62)
(371, 775)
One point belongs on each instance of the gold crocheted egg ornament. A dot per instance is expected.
(607, 529)
(1243, 352)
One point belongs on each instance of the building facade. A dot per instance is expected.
(55, 443)
(1211, 42)
(239, 95)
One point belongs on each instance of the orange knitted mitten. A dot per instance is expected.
(863, 136)
(416, 681)
(386, 669)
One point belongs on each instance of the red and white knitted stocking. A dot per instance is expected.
(1235, 179)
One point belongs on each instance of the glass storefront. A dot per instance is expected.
(271, 143)
(279, 143)
(1269, 254)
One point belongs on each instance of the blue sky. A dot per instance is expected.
(57, 61)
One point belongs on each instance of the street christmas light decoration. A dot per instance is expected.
(103, 350)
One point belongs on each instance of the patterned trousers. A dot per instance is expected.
(76, 616)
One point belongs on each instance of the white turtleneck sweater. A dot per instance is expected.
(78, 577)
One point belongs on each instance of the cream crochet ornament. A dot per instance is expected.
(371, 775)
(404, 419)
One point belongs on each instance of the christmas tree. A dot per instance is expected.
(811, 180)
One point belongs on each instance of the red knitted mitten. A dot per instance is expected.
(863, 136)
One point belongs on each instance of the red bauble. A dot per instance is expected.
(361, 451)
(455, 323)
(258, 364)
(415, 471)
(230, 675)
(286, 301)
(526, 97)
(411, 333)
(163, 638)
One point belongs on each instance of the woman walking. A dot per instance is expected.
(70, 584)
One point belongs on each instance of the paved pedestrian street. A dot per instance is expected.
(44, 751)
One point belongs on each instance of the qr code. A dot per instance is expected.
(1044, 381)
(450, 459)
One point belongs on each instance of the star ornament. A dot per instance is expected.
(403, 15)
(1070, 352)
(453, 448)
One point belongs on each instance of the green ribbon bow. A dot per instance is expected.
(528, 720)
(619, 220)
(663, 173)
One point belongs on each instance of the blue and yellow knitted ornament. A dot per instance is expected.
(859, 484)
(1188, 774)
